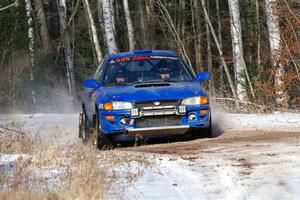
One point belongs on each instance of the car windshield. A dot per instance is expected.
(146, 69)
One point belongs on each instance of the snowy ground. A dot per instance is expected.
(255, 156)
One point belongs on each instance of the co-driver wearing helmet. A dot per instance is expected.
(120, 77)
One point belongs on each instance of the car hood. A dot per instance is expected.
(135, 93)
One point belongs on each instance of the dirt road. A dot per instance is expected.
(250, 157)
(234, 165)
(239, 139)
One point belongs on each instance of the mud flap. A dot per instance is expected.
(94, 136)
(81, 124)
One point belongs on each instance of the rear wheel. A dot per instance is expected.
(84, 129)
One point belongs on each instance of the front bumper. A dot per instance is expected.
(161, 131)
(160, 123)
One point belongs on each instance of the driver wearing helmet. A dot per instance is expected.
(165, 73)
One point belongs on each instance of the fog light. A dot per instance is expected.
(109, 117)
(192, 116)
(123, 121)
(203, 112)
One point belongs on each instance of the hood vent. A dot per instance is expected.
(152, 85)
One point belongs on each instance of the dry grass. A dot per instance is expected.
(65, 172)
(11, 142)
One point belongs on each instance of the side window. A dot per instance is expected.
(99, 70)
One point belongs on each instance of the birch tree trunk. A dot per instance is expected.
(276, 50)
(44, 29)
(92, 27)
(28, 7)
(130, 30)
(208, 51)
(62, 12)
(109, 27)
(207, 19)
(237, 49)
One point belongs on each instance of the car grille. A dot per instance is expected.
(156, 121)
(161, 103)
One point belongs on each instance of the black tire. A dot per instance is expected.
(203, 132)
(84, 129)
(208, 132)
(102, 142)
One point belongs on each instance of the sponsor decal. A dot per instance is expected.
(141, 58)
(164, 57)
(122, 59)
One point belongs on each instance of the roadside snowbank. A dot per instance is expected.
(276, 121)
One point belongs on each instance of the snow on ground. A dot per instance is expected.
(237, 170)
(224, 174)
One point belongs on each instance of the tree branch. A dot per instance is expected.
(15, 131)
(11, 5)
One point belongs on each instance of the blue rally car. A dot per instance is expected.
(144, 93)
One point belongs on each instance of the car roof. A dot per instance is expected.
(144, 52)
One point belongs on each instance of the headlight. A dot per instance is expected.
(195, 101)
(117, 105)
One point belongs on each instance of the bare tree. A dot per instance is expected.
(237, 49)
(31, 44)
(258, 33)
(221, 43)
(93, 31)
(164, 11)
(197, 30)
(62, 12)
(109, 27)
(101, 22)
(44, 29)
(130, 30)
(219, 49)
(208, 50)
(142, 26)
(276, 51)
(9, 6)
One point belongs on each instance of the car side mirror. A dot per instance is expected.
(203, 76)
(92, 83)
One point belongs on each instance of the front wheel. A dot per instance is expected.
(208, 132)
(100, 140)
(203, 132)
